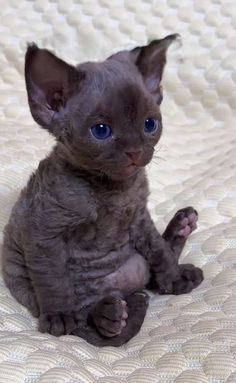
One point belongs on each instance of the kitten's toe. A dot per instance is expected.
(110, 315)
(56, 324)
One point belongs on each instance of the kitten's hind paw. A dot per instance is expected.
(187, 220)
(191, 277)
(109, 316)
(182, 224)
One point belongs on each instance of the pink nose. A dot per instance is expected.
(134, 156)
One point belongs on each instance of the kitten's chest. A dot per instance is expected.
(117, 207)
(120, 206)
(116, 212)
(100, 247)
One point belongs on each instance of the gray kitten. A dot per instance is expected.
(80, 245)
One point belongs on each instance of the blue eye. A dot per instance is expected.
(101, 131)
(150, 125)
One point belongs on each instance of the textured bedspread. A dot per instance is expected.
(185, 339)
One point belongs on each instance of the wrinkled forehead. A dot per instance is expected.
(101, 74)
(116, 87)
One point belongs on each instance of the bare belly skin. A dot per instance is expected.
(132, 276)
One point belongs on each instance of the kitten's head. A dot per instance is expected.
(106, 116)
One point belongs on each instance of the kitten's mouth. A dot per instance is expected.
(131, 165)
(124, 171)
(131, 169)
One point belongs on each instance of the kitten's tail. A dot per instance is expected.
(137, 304)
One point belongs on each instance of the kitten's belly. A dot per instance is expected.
(133, 275)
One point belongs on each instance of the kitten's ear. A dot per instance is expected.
(150, 60)
(49, 82)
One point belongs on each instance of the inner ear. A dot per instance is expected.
(151, 60)
(49, 81)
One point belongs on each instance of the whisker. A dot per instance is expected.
(161, 149)
(156, 163)
(158, 158)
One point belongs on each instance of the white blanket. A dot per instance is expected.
(185, 339)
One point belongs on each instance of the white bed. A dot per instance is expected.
(185, 339)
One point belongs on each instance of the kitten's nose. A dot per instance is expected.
(134, 156)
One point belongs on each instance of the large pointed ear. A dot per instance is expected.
(151, 60)
(49, 82)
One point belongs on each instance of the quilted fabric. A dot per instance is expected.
(185, 339)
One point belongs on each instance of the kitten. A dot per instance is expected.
(80, 245)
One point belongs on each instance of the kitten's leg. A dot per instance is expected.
(176, 234)
(55, 318)
(179, 228)
(113, 321)
(167, 276)
(47, 267)
(17, 279)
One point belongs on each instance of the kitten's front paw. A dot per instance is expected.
(109, 316)
(57, 324)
